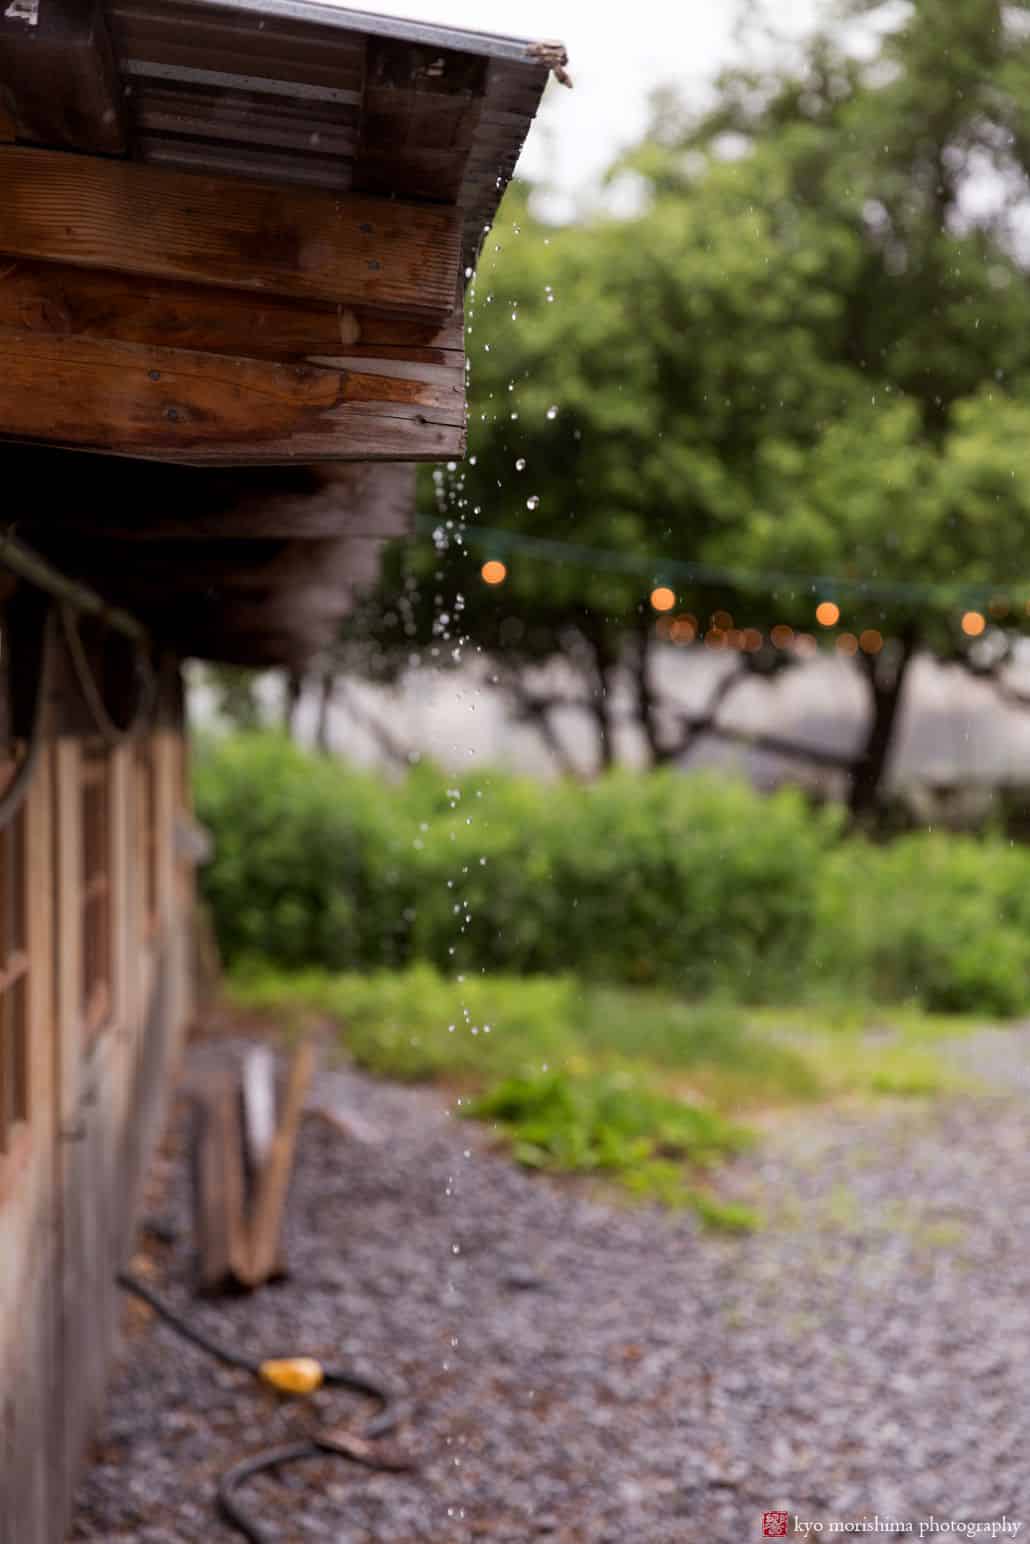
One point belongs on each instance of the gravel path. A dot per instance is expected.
(594, 1374)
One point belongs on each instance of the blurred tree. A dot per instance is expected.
(235, 695)
(807, 353)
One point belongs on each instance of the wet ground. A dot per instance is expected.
(591, 1373)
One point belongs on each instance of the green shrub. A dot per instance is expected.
(309, 866)
(689, 883)
(937, 919)
(693, 885)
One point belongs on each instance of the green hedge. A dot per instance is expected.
(692, 883)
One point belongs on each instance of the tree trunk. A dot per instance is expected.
(601, 707)
(602, 695)
(291, 700)
(647, 703)
(871, 764)
(326, 687)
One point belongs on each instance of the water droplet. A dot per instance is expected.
(520, 464)
(552, 411)
(533, 501)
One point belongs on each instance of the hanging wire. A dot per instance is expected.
(13, 795)
(108, 730)
(759, 581)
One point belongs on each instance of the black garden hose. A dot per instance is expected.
(356, 1448)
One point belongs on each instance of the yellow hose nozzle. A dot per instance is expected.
(293, 1374)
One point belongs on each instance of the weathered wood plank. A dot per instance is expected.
(346, 249)
(58, 78)
(219, 1223)
(420, 111)
(159, 570)
(142, 502)
(56, 301)
(265, 646)
(273, 1183)
(181, 404)
(385, 437)
(258, 1084)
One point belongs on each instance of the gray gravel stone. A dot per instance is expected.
(867, 1352)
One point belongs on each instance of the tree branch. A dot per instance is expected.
(536, 710)
(695, 725)
(373, 727)
(758, 741)
(1010, 695)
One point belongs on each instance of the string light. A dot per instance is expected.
(765, 582)
(758, 581)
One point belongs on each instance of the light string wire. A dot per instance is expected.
(658, 570)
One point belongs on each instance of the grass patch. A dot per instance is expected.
(418, 1026)
(632, 1085)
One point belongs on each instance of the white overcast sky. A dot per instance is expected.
(617, 55)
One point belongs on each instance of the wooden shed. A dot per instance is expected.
(234, 238)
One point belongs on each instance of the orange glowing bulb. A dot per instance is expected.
(494, 571)
(827, 613)
(662, 598)
(973, 623)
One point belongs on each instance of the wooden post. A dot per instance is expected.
(242, 1163)
(273, 1182)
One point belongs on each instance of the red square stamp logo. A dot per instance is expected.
(774, 1524)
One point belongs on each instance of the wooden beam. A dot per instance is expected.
(343, 248)
(261, 649)
(140, 501)
(188, 615)
(177, 404)
(53, 300)
(224, 569)
(58, 79)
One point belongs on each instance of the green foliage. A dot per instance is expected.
(418, 1025)
(808, 352)
(689, 883)
(941, 920)
(693, 885)
(614, 1126)
(308, 864)
(235, 695)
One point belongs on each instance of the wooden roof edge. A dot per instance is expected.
(490, 45)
